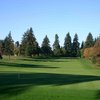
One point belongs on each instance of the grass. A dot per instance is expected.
(48, 79)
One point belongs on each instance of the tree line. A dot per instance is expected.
(30, 47)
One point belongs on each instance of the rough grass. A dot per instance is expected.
(48, 79)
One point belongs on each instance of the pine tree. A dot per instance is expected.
(75, 47)
(17, 48)
(56, 46)
(1, 45)
(89, 41)
(46, 49)
(67, 44)
(95, 40)
(29, 45)
(17, 44)
(82, 45)
(23, 44)
(9, 45)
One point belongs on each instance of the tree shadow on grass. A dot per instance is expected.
(53, 59)
(44, 79)
(14, 89)
(14, 83)
(50, 60)
(98, 95)
(10, 64)
(98, 65)
(7, 92)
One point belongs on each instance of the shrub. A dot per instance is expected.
(93, 59)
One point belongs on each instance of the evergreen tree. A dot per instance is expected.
(37, 49)
(23, 44)
(75, 47)
(17, 44)
(68, 44)
(56, 46)
(95, 40)
(32, 45)
(1, 46)
(82, 45)
(89, 41)
(46, 49)
(29, 45)
(16, 48)
(9, 45)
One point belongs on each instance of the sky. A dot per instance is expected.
(50, 17)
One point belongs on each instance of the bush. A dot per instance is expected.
(88, 52)
(93, 59)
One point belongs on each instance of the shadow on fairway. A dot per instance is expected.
(44, 79)
(13, 90)
(45, 60)
(10, 64)
(51, 59)
(12, 84)
(98, 95)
